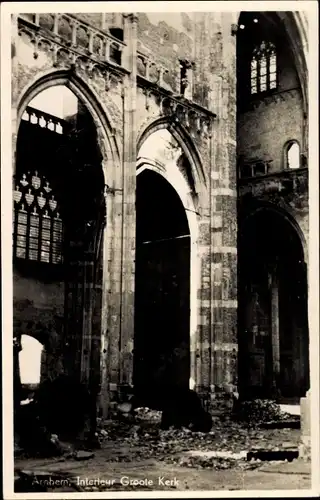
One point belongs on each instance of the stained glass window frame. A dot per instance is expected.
(264, 58)
(35, 242)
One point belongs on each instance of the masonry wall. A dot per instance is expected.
(207, 40)
(265, 125)
(38, 310)
(264, 130)
(213, 344)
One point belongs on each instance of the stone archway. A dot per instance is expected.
(273, 317)
(162, 291)
(166, 265)
(108, 143)
(59, 184)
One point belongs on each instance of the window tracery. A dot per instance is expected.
(263, 68)
(37, 224)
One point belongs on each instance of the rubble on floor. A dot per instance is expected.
(143, 445)
(145, 438)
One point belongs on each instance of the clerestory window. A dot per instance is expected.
(263, 68)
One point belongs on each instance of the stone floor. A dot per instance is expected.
(143, 458)
(150, 475)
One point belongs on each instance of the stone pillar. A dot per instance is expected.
(275, 332)
(129, 200)
(200, 346)
(111, 294)
(224, 345)
(119, 244)
(14, 88)
(215, 81)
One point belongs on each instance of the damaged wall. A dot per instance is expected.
(272, 121)
(39, 311)
(132, 87)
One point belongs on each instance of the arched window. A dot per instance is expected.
(30, 360)
(263, 68)
(37, 226)
(292, 155)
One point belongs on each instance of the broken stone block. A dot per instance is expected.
(305, 416)
(125, 408)
(83, 455)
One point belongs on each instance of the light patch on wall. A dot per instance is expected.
(30, 360)
(160, 146)
(293, 153)
(172, 19)
(192, 383)
(58, 101)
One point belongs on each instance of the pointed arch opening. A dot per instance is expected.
(58, 223)
(273, 311)
(166, 267)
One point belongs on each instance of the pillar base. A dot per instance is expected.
(218, 400)
(305, 448)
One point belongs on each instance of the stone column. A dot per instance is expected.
(275, 332)
(129, 200)
(111, 293)
(215, 81)
(119, 243)
(200, 345)
(223, 302)
(14, 88)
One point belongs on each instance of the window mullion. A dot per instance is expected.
(28, 234)
(15, 229)
(51, 241)
(40, 235)
(33, 228)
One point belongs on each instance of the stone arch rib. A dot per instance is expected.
(84, 93)
(186, 143)
(253, 208)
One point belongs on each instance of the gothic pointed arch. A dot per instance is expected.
(187, 144)
(250, 208)
(105, 128)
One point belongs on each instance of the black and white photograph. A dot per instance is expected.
(160, 241)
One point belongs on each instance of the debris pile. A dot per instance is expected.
(261, 412)
(227, 439)
(147, 415)
(57, 413)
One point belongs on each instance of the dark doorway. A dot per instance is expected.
(273, 318)
(162, 293)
